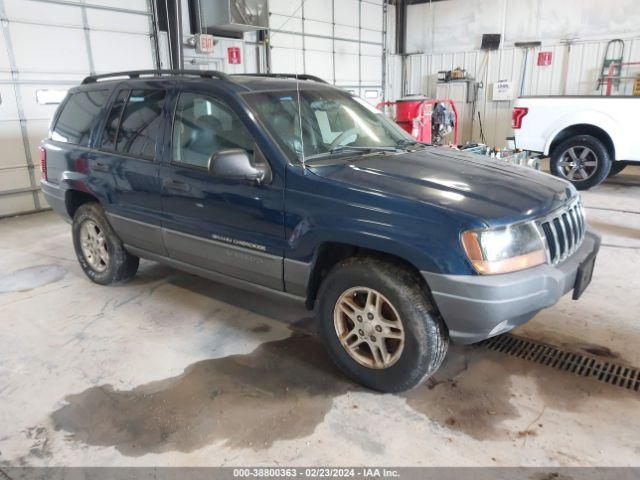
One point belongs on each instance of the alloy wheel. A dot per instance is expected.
(369, 327)
(578, 164)
(94, 245)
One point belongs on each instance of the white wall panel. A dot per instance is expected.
(318, 28)
(8, 105)
(574, 69)
(285, 7)
(371, 16)
(35, 11)
(346, 69)
(40, 48)
(319, 10)
(48, 43)
(288, 24)
(117, 21)
(138, 47)
(139, 5)
(342, 40)
(12, 147)
(286, 40)
(350, 33)
(584, 61)
(287, 60)
(318, 63)
(347, 12)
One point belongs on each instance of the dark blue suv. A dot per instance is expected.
(291, 187)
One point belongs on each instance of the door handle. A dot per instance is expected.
(172, 184)
(101, 167)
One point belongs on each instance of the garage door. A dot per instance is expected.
(340, 41)
(46, 47)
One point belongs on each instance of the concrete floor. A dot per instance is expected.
(174, 370)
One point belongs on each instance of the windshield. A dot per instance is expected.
(332, 121)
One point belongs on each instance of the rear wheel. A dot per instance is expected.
(100, 251)
(379, 326)
(583, 160)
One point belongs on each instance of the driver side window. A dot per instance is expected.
(204, 126)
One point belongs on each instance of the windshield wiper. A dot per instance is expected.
(404, 143)
(342, 148)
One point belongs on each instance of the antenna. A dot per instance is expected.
(295, 66)
(304, 165)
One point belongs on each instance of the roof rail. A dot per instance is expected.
(157, 73)
(302, 76)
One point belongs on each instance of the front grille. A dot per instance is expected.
(563, 232)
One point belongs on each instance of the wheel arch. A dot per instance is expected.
(73, 199)
(582, 129)
(328, 254)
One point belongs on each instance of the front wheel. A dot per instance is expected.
(379, 326)
(583, 160)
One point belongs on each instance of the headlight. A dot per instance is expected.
(504, 249)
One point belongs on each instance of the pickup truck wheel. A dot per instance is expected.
(379, 326)
(583, 160)
(616, 168)
(100, 251)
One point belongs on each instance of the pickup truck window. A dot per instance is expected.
(140, 123)
(79, 116)
(330, 119)
(203, 126)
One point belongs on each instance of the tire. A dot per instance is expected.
(400, 291)
(117, 265)
(616, 168)
(586, 172)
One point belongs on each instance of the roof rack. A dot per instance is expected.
(302, 76)
(157, 73)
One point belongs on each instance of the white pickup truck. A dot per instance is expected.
(587, 137)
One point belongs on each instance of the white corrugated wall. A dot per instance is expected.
(584, 62)
(341, 41)
(447, 31)
(46, 47)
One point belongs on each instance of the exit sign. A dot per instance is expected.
(544, 59)
(233, 55)
(204, 43)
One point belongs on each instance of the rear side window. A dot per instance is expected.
(140, 123)
(79, 115)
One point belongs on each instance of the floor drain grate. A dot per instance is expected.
(577, 363)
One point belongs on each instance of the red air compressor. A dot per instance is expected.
(427, 120)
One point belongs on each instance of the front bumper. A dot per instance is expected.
(476, 307)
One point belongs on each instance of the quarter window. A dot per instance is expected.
(141, 121)
(79, 115)
(204, 126)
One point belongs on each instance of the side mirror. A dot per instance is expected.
(235, 164)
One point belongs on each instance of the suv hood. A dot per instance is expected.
(488, 189)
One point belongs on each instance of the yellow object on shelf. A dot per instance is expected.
(636, 86)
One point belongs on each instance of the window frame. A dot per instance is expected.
(216, 98)
(160, 136)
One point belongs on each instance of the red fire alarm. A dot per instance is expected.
(544, 59)
(233, 54)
